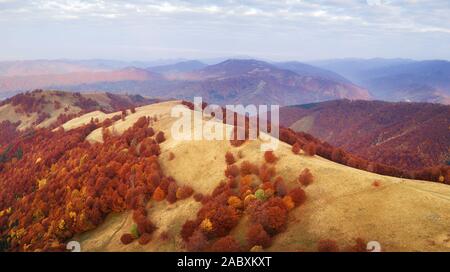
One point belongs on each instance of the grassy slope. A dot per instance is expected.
(7, 112)
(403, 215)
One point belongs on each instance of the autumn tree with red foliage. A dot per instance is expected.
(160, 137)
(197, 242)
(296, 148)
(126, 239)
(229, 158)
(223, 218)
(232, 171)
(184, 192)
(310, 149)
(257, 236)
(42, 116)
(327, 245)
(226, 244)
(305, 177)
(198, 197)
(266, 172)
(248, 168)
(188, 229)
(298, 196)
(172, 192)
(280, 186)
(338, 155)
(8, 132)
(272, 215)
(270, 157)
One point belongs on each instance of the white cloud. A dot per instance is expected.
(374, 2)
(249, 22)
(366, 12)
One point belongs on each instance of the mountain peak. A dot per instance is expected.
(238, 67)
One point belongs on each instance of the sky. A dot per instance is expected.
(276, 30)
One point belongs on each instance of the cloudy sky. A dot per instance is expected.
(277, 30)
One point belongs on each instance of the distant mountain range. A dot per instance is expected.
(405, 135)
(239, 80)
(309, 70)
(50, 67)
(180, 67)
(397, 79)
(48, 81)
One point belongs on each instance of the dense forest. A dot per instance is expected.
(62, 185)
(405, 135)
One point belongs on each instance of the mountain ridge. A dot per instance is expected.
(407, 135)
(241, 81)
(397, 79)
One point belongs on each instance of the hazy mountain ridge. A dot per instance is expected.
(240, 81)
(397, 79)
(310, 70)
(23, 83)
(179, 67)
(46, 67)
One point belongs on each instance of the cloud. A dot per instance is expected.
(370, 13)
(249, 22)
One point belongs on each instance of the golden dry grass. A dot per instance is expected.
(342, 204)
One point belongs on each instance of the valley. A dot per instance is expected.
(405, 135)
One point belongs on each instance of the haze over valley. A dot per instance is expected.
(240, 80)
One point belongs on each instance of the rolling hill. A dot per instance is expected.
(40, 109)
(121, 186)
(406, 135)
